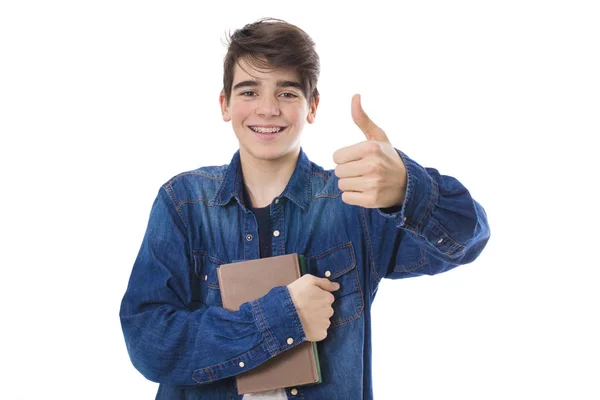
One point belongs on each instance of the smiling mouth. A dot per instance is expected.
(269, 130)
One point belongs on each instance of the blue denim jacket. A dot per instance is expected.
(177, 332)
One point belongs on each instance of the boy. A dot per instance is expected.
(378, 215)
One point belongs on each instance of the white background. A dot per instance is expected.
(102, 102)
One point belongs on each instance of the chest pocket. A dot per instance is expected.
(338, 264)
(206, 286)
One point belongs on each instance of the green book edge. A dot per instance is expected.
(314, 345)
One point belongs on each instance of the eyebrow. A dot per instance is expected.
(251, 83)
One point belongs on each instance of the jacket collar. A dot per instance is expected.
(298, 189)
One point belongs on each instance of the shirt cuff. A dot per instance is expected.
(277, 318)
(421, 200)
(421, 197)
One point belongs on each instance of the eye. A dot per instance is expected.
(289, 95)
(247, 94)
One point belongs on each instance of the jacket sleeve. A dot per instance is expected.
(438, 227)
(169, 340)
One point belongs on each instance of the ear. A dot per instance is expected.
(224, 107)
(312, 112)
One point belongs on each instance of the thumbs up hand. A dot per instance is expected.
(372, 174)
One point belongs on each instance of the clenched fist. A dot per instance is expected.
(313, 300)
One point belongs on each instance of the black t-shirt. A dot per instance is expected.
(264, 229)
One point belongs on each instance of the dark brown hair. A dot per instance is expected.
(271, 43)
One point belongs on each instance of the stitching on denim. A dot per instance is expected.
(218, 195)
(193, 202)
(429, 208)
(294, 311)
(367, 235)
(356, 279)
(330, 250)
(196, 264)
(210, 374)
(358, 294)
(283, 233)
(213, 260)
(268, 330)
(330, 196)
(308, 184)
(352, 256)
(207, 372)
(171, 193)
(298, 202)
(338, 273)
(454, 252)
(456, 246)
(322, 175)
(352, 262)
(413, 266)
(232, 361)
(257, 318)
(199, 173)
(342, 272)
(245, 243)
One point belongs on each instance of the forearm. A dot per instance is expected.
(180, 347)
(438, 226)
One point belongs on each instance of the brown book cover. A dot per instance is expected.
(245, 281)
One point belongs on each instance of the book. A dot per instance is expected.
(244, 281)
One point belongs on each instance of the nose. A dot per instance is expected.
(268, 106)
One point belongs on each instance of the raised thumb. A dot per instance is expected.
(366, 125)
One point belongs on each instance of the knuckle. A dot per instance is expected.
(372, 184)
(372, 168)
(373, 147)
(378, 168)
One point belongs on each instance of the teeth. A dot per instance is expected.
(265, 130)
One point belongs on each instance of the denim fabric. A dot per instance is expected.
(175, 328)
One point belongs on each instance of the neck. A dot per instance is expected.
(266, 179)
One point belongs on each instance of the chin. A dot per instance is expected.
(270, 153)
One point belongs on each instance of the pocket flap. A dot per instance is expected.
(205, 268)
(334, 262)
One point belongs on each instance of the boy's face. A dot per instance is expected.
(267, 110)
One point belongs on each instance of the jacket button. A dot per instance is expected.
(328, 274)
(294, 392)
(276, 201)
(290, 341)
(242, 365)
(441, 240)
(205, 277)
(249, 237)
(276, 233)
